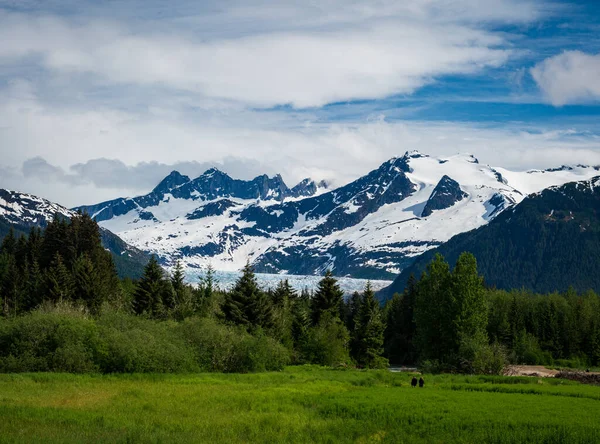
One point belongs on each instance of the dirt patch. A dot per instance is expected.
(538, 371)
(583, 377)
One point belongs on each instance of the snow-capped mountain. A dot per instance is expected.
(21, 211)
(372, 227)
(548, 242)
(27, 210)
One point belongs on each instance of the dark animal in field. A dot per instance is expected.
(421, 382)
(414, 381)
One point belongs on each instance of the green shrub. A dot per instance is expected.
(479, 357)
(60, 342)
(527, 350)
(134, 344)
(327, 344)
(221, 348)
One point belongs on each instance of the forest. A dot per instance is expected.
(64, 308)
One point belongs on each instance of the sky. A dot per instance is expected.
(101, 99)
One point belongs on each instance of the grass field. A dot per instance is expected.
(300, 404)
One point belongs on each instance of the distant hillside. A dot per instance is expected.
(550, 241)
(21, 211)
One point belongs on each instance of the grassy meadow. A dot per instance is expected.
(300, 404)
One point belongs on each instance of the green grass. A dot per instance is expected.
(300, 404)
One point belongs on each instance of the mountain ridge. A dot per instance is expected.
(548, 242)
(372, 227)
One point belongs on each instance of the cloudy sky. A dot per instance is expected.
(102, 98)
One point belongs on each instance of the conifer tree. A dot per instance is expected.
(9, 284)
(34, 294)
(9, 243)
(152, 290)
(368, 332)
(246, 304)
(59, 282)
(400, 325)
(327, 299)
(177, 281)
(434, 312)
(86, 283)
(283, 293)
(468, 298)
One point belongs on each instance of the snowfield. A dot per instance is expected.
(375, 224)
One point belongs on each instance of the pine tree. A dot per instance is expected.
(434, 312)
(283, 293)
(151, 291)
(86, 283)
(34, 294)
(9, 284)
(59, 282)
(178, 277)
(369, 332)
(246, 304)
(327, 299)
(9, 243)
(468, 297)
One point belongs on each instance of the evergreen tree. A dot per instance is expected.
(10, 284)
(59, 281)
(283, 293)
(178, 277)
(151, 291)
(86, 283)
(400, 325)
(34, 294)
(9, 243)
(326, 299)
(468, 300)
(433, 312)
(368, 332)
(246, 304)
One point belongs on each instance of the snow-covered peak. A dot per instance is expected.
(375, 224)
(29, 210)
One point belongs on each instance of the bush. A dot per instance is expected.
(132, 344)
(63, 339)
(59, 342)
(327, 344)
(479, 357)
(527, 350)
(222, 348)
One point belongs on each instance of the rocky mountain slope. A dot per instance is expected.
(371, 228)
(549, 242)
(21, 211)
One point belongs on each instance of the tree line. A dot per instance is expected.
(447, 320)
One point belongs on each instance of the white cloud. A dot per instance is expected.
(264, 54)
(68, 138)
(570, 77)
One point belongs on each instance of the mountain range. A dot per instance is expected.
(373, 227)
(549, 242)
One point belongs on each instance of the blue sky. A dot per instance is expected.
(100, 99)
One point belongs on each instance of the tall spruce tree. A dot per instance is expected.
(152, 290)
(59, 281)
(87, 286)
(246, 304)
(435, 333)
(368, 332)
(400, 325)
(327, 299)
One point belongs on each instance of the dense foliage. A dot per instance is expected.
(65, 309)
(450, 321)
